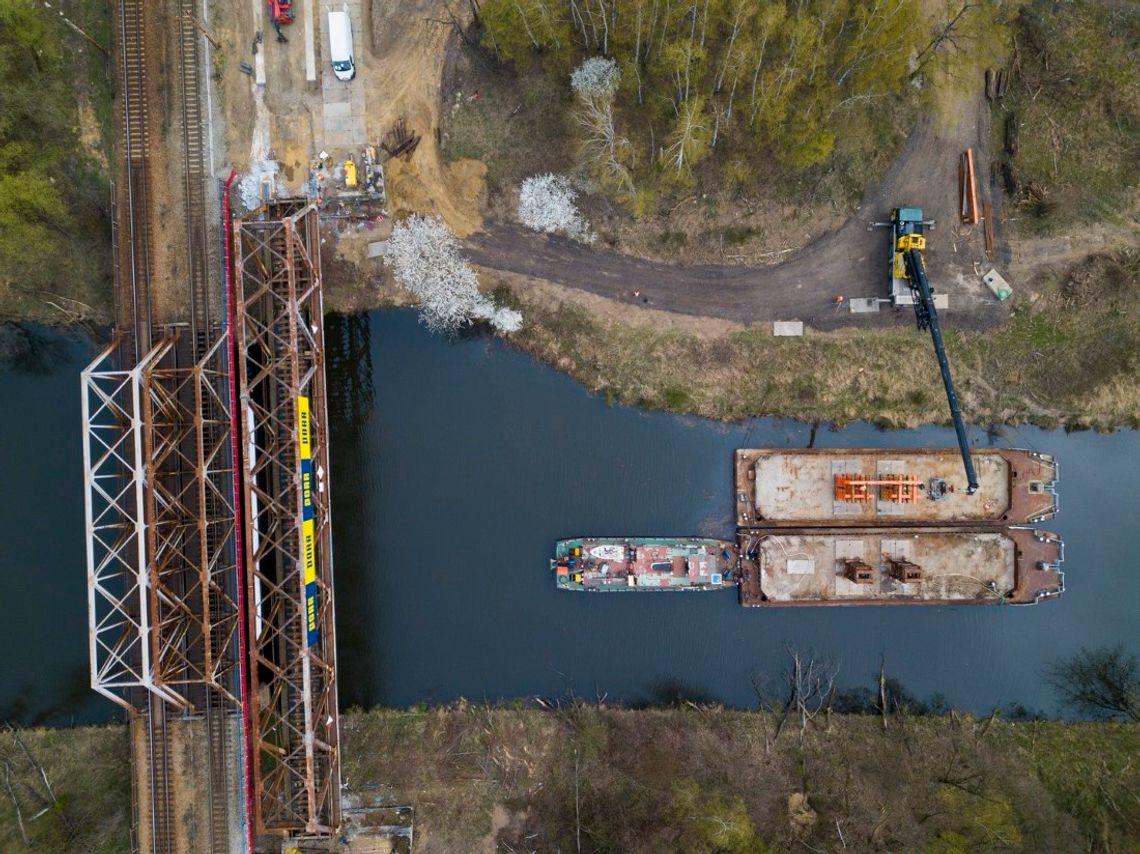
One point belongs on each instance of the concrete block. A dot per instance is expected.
(788, 328)
(863, 305)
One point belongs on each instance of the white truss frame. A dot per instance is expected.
(118, 584)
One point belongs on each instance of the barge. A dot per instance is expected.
(879, 566)
(896, 487)
(644, 563)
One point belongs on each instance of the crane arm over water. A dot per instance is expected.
(908, 263)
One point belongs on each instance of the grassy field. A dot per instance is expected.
(698, 778)
(1069, 355)
(692, 777)
(87, 770)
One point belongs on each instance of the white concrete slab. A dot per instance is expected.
(308, 10)
(997, 284)
(788, 328)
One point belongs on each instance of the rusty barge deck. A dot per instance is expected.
(881, 566)
(896, 487)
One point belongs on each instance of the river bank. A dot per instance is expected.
(695, 778)
(1067, 357)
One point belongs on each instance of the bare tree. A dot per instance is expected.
(810, 692)
(25, 782)
(1103, 682)
(946, 34)
(595, 83)
(812, 688)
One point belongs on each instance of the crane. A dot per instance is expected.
(908, 268)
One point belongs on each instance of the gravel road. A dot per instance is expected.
(851, 261)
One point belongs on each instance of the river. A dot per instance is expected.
(455, 466)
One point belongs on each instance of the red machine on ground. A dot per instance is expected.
(281, 11)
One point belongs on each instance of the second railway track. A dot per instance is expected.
(196, 175)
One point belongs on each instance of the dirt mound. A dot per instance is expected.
(454, 191)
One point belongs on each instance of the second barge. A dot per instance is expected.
(877, 566)
(898, 486)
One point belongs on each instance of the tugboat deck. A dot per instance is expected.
(644, 563)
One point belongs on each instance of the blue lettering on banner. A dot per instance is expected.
(306, 489)
(313, 634)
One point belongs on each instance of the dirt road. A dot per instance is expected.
(851, 261)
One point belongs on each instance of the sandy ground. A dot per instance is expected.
(400, 48)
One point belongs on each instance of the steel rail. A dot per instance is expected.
(135, 159)
(194, 176)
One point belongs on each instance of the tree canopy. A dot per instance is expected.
(778, 75)
(49, 222)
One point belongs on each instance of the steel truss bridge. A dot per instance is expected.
(209, 560)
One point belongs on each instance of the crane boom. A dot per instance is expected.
(927, 316)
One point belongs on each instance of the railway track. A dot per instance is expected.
(196, 177)
(133, 265)
(158, 745)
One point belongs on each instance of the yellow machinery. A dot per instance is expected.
(350, 174)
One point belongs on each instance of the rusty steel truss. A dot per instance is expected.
(288, 552)
(161, 573)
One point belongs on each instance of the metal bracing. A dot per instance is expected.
(279, 324)
(118, 585)
(190, 521)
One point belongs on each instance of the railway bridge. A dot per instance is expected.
(209, 559)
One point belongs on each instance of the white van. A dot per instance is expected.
(340, 45)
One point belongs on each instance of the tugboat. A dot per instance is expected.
(644, 563)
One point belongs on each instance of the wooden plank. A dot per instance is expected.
(988, 228)
(967, 189)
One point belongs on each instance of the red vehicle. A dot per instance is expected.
(281, 11)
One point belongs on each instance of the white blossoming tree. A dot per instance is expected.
(424, 256)
(546, 203)
(596, 76)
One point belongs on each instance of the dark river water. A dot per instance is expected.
(455, 467)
